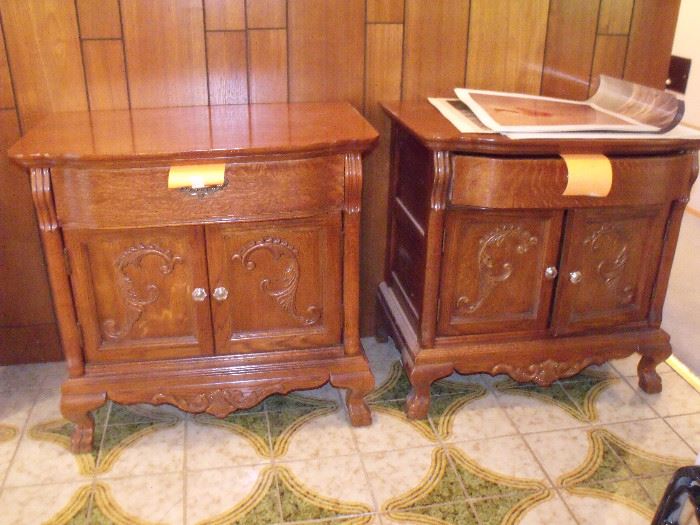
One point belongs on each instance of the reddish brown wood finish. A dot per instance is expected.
(479, 230)
(194, 300)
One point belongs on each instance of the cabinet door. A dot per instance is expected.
(610, 258)
(276, 285)
(494, 271)
(134, 292)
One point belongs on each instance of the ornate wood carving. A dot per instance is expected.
(135, 303)
(283, 292)
(438, 197)
(222, 401)
(353, 182)
(43, 199)
(609, 244)
(543, 373)
(491, 273)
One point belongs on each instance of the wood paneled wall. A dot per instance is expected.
(102, 54)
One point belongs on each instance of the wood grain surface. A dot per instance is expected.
(56, 58)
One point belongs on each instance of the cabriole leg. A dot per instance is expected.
(358, 385)
(77, 409)
(649, 379)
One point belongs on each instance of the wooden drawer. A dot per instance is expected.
(125, 198)
(488, 182)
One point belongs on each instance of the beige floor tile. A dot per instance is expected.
(154, 499)
(551, 511)
(54, 375)
(377, 352)
(559, 452)
(322, 437)
(327, 392)
(15, 407)
(653, 436)
(41, 462)
(396, 472)
(209, 446)
(628, 366)
(388, 432)
(35, 504)
(509, 456)
(341, 478)
(676, 398)
(534, 415)
(161, 451)
(598, 511)
(619, 402)
(689, 429)
(479, 419)
(22, 377)
(213, 492)
(46, 408)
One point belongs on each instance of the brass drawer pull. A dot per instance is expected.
(551, 273)
(220, 293)
(575, 277)
(199, 295)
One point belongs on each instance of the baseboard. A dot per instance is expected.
(683, 371)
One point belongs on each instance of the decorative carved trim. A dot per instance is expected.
(438, 197)
(612, 270)
(285, 294)
(222, 401)
(43, 199)
(545, 372)
(134, 303)
(490, 275)
(353, 182)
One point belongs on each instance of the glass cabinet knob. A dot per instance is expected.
(199, 294)
(551, 272)
(220, 293)
(575, 277)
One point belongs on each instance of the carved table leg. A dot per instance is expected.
(76, 408)
(649, 379)
(358, 384)
(421, 377)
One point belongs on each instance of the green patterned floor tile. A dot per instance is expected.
(110, 440)
(278, 496)
(446, 398)
(576, 395)
(270, 432)
(94, 505)
(446, 492)
(618, 471)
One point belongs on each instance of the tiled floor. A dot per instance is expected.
(590, 449)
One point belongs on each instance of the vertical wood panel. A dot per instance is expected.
(24, 294)
(266, 14)
(99, 18)
(383, 82)
(506, 44)
(226, 15)
(268, 65)
(7, 100)
(651, 41)
(609, 57)
(105, 74)
(326, 50)
(165, 52)
(568, 56)
(435, 47)
(228, 78)
(385, 11)
(45, 60)
(615, 17)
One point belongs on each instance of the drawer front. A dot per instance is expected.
(124, 198)
(539, 183)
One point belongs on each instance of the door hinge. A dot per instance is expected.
(66, 261)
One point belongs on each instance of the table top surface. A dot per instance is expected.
(427, 124)
(191, 133)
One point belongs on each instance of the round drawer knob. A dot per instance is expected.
(575, 277)
(199, 294)
(551, 272)
(220, 293)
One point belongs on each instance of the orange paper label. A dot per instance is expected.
(196, 175)
(588, 175)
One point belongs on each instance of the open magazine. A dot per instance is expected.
(617, 105)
